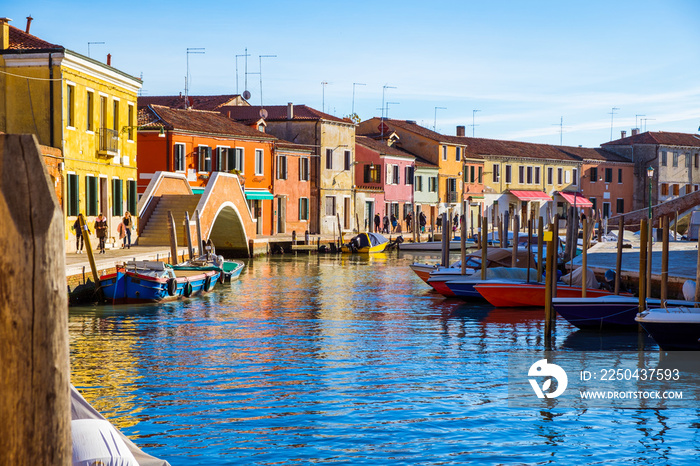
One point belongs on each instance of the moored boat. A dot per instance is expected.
(673, 328)
(455, 245)
(366, 243)
(529, 294)
(463, 287)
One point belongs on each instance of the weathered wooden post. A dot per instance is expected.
(664, 261)
(516, 232)
(294, 237)
(445, 242)
(529, 246)
(697, 278)
(618, 261)
(34, 354)
(173, 238)
(550, 270)
(650, 249)
(484, 247)
(584, 259)
(463, 240)
(306, 237)
(540, 247)
(643, 264)
(199, 232)
(504, 236)
(555, 246)
(188, 235)
(88, 248)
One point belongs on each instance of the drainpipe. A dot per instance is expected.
(51, 116)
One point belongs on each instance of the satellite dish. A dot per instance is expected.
(263, 113)
(246, 95)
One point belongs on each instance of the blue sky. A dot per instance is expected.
(523, 65)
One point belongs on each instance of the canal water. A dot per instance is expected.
(349, 360)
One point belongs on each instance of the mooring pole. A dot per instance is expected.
(618, 261)
(463, 239)
(198, 222)
(188, 235)
(540, 247)
(643, 231)
(664, 260)
(550, 270)
(584, 259)
(484, 247)
(516, 233)
(173, 238)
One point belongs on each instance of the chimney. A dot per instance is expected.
(460, 130)
(5, 33)
(635, 131)
(109, 59)
(290, 111)
(29, 23)
(623, 134)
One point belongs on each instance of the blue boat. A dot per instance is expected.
(153, 282)
(463, 287)
(230, 270)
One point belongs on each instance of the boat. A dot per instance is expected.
(529, 294)
(455, 245)
(230, 270)
(673, 328)
(366, 243)
(605, 312)
(495, 257)
(463, 287)
(153, 282)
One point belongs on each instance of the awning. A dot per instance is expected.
(576, 199)
(258, 194)
(530, 195)
(197, 190)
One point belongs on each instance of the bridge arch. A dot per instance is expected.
(227, 231)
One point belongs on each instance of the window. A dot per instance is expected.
(620, 206)
(687, 189)
(117, 197)
(115, 121)
(619, 175)
(304, 169)
(496, 173)
(608, 175)
(204, 163)
(664, 159)
(550, 175)
(235, 159)
(396, 174)
(664, 189)
(303, 208)
(574, 176)
(132, 197)
(696, 187)
(594, 201)
(72, 193)
(594, 174)
(418, 183)
(560, 175)
(70, 102)
(675, 159)
(444, 152)
(103, 111)
(408, 175)
(606, 210)
(90, 195)
(281, 167)
(458, 153)
(221, 155)
(348, 160)
(131, 122)
(432, 184)
(179, 157)
(329, 159)
(259, 162)
(509, 174)
(451, 189)
(676, 189)
(90, 103)
(521, 174)
(481, 169)
(537, 175)
(471, 174)
(330, 205)
(697, 160)
(687, 160)
(529, 175)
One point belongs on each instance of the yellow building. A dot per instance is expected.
(85, 108)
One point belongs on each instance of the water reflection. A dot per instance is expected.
(347, 358)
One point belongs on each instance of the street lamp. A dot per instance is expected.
(650, 174)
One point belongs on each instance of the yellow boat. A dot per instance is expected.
(365, 243)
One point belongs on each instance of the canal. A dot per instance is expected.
(348, 360)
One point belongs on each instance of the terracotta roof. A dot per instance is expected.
(421, 162)
(20, 40)
(199, 121)
(599, 154)
(286, 145)
(382, 148)
(278, 113)
(199, 102)
(414, 127)
(660, 137)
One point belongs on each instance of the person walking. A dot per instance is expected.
(377, 222)
(79, 240)
(423, 221)
(128, 223)
(101, 232)
(385, 229)
(393, 223)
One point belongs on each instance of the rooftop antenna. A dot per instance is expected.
(353, 95)
(384, 88)
(92, 43)
(246, 92)
(474, 125)
(644, 121)
(561, 130)
(387, 107)
(323, 95)
(187, 78)
(635, 120)
(246, 54)
(435, 119)
(261, 57)
(612, 115)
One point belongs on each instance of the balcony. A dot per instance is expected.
(107, 142)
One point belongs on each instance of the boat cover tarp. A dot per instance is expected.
(497, 257)
(510, 273)
(577, 278)
(81, 409)
(375, 239)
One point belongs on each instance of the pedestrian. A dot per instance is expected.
(385, 229)
(101, 232)
(409, 219)
(377, 222)
(393, 223)
(79, 240)
(438, 223)
(120, 232)
(128, 225)
(423, 221)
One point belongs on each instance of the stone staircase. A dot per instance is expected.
(156, 232)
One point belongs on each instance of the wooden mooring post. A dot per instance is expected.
(188, 236)
(173, 238)
(664, 260)
(484, 246)
(584, 259)
(618, 261)
(200, 239)
(516, 231)
(463, 240)
(34, 353)
(540, 247)
(548, 284)
(643, 264)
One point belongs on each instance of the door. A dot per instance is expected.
(347, 213)
(282, 214)
(369, 216)
(104, 198)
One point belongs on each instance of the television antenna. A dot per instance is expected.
(246, 54)
(353, 95)
(561, 130)
(474, 125)
(260, 73)
(190, 50)
(435, 119)
(644, 122)
(92, 43)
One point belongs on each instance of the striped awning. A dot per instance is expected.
(576, 199)
(530, 195)
(258, 194)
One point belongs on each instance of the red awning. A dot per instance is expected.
(531, 195)
(576, 199)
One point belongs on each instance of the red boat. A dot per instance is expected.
(529, 294)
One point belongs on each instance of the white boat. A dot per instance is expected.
(673, 328)
(455, 245)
